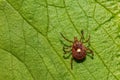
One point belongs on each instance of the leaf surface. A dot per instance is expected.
(31, 44)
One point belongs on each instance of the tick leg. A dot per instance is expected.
(82, 35)
(71, 63)
(66, 38)
(65, 51)
(90, 51)
(87, 39)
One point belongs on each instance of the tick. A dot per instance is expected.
(78, 49)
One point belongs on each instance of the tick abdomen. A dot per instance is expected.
(78, 54)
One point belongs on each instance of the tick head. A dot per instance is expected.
(75, 39)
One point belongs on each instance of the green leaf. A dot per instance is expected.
(31, 44)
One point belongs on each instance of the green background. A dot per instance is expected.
(30, 40)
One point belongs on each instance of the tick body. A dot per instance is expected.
(78, 50)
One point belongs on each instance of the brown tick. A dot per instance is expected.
(79, 51)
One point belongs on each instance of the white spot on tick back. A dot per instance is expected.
(78, 50)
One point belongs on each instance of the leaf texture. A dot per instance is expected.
(30, 40)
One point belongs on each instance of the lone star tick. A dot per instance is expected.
(78, 49)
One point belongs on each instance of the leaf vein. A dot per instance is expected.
(60, 58)
(104, 63)
(104, 7)
(24, 18)
(19, 60)
(85, 14)
(70, 17)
